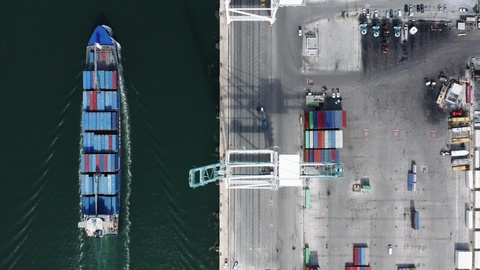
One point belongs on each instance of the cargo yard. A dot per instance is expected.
(393, 158)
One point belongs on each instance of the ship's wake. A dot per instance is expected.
(127, 160)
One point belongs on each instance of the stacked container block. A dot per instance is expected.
(100, 158)
(322, 155)
(103, 79)
(407, 268)
(366, 267)
(323, 136)
(325, 120)
(323, 139)
(359, 259)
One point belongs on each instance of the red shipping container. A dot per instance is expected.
(91, 101)
(321, 139)
(307, 120)
(115, 80)
(318, 156)
(110, 143)
(355, 255)
(469, 94)
(105, 163)
(307, 156)
(344, 118)
(86, 163)
(321, 120)
(334, 155)
(97, 163)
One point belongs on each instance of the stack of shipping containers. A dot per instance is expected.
(100, 159)
(359, 259)
(323, 135)
(407, 268)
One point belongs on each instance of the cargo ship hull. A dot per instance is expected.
(100, 172)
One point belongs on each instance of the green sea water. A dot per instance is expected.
(171, 72)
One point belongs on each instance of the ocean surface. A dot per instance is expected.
(171, 73)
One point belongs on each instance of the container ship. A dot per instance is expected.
(100, 173)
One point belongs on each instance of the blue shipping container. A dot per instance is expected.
(361, 256)
(416, 221)
(88, 205)
(87, 185)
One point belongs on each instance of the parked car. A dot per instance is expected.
(444, 7)
(406, 9)
(391, 13)
(410, 11)
(375, 13)
(338, 93)
(439, 7)
(235, 265)
(462, 9)
(399, 13)
(422, 8)
(457, 113)
(390, 250)
(300, 31)
(418, 8)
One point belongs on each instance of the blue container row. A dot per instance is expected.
(106, 205)
(100, 143)
(100, 101)
(361, 256)
(107, 184)
(99, 163)
(105, 79)
(99, 121)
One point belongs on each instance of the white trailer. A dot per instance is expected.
(469, 218)
(477, 159)
(469, 179)
(477, 138)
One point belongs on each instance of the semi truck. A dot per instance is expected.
(412, 181)
(416, 220)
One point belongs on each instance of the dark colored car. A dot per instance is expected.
(418, 8)
(406, 8)
(391, 13)
(422, 8)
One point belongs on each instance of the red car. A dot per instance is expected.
(457, 113)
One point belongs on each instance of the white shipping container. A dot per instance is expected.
(469, 218)
(477, 200)
(477, 138)
(477, 179)
(463, 259)
(339, 139)
(476, 236)
(477, 159)
(477, 259)
(469, 179)
(477, 219)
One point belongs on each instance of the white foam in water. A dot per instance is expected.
(127, 151)
(80, 235)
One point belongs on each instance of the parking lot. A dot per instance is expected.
(392, 121)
